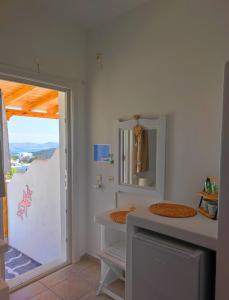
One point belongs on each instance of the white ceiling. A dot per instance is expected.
(90, 13)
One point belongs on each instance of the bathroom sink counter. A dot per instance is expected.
(105, 219)
(197, 230)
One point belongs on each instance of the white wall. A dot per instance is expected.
(39, 233)
(30, 29)
(165, 57)
(44, 29)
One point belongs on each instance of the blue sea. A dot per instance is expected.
(16, 148)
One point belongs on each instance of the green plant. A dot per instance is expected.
(11, 173)
(14, 156)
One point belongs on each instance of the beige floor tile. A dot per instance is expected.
(92, 274)
(72, 289)
(70, 283)
(92, 296)
(118, 287)
(66, 273)
(28, 292)
(55, 278)
(48, 295)
(82, 265)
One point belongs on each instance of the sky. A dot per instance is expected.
(33, 130)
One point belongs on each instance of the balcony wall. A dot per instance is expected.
(37, 232)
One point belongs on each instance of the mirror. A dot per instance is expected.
(138, 157)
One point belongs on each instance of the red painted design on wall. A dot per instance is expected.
(24, 203)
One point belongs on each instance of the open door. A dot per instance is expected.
(4, 168)
(36, 195)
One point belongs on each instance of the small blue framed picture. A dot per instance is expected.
(102, 152)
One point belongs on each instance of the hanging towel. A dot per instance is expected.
(140, 150)
(4, 147)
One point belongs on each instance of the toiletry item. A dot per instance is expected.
(144, 181)
(212, 209)
(214, 188)
(208, 205)
(205, 205)
(207, 186)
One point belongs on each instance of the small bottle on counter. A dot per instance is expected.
(214, 188)
(208, 186)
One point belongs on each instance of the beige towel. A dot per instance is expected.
(140, 150)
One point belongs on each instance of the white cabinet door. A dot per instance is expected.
(169, 271)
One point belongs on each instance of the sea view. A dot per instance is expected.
(16, 148)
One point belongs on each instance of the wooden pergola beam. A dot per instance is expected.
(54, 109)
(32, 105)
(26, 113)
(18, 93)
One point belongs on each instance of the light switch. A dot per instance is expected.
(111, 179)
(99, 182)
(99, 179)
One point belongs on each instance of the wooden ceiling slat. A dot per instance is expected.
(35, 104)
(17, 94)
(8, 87)
(49, 105)
(28, 100)
(53, 109)
(25, 113)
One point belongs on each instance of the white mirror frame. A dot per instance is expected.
(150, 123)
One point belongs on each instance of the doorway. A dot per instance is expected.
(35, 219)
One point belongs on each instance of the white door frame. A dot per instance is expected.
(73, 90)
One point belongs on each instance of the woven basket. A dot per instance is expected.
(172, 210)
(120, 216)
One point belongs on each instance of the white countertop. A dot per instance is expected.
(197, 230)
(105, 219)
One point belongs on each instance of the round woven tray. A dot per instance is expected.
(120, 216)
(172, 210)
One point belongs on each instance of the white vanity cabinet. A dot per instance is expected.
(134, 257)
(139, 162)
(166, 257)
(112, 253)
(168, 269)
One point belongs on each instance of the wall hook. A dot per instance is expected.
(37, 64)
(99, 60)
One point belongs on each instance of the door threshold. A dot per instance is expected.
(35, 274)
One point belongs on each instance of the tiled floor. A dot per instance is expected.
(78, 281)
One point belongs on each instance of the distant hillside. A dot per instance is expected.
(31, 147)
(44, 154)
